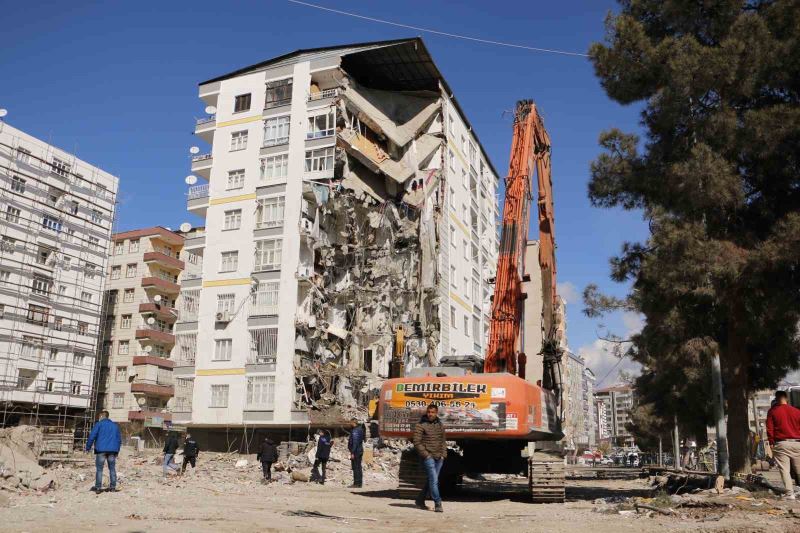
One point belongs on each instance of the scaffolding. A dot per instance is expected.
(52, 246)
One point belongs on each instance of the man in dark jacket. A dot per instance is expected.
(267, 456)
(431, 445)
(323, 453)
(170, 447)
(106, 439)
(355, 445)
(190, 452)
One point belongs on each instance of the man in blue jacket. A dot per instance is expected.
(106, 438)
(355, 444)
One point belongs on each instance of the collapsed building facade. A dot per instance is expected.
(372, 214)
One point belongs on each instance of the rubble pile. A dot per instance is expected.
(19, 464)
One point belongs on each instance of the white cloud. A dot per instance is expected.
(602, 356)
(569, 292)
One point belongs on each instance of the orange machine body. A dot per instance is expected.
(474, 406)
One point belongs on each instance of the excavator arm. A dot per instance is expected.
(530, 152)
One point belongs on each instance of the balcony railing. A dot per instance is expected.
(198, 191)
(327, 93)
(276, 141)
(200, 157)
(206, 120)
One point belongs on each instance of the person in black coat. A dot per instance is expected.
(190, 452)
(267, 456)
(324, 445)
(355, 445)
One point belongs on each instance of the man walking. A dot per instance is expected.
(321, 459)
(431, 446)
(170, 447)
(267, 455)
(190, 452)
(783, 432)
(106, 439)
(355, 445)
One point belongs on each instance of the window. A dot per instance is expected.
(453, 239)
(276, 131)
(60, 167)
(130, 270)
(265, 299)
(263, 345)
(366, 361)
(226, 303)
(233, 219)
(451, 124)
(86, 297)
(453, 282)
(75, 387)
(476, 329)
(133, 246)
(23, 155)
(319, 160)
(31, 348)
(278, 93)
(67, 262)
(38, 314)
(116, 272)
(125, 322)
(5, 276)
(70, 235)
(78, 359)
(465, 286)
(269, 212)
(453, 323)
(119, 248)
(51, 223)
(321, 125)
(94, 242)
(241, 103)
(452, 197)
(451, 159)
(83, 328)
(8, 244)
(238, 140)
(73, 207)
(268, 255)
(473, 155)
(2, 310)
(97, 216)
(275, 167)
(236, 179)
(466, 325)
(229, 261)
(223, 349)
(123, 347)
(12, 214)
(58, 323)
(261, 392)
(127, 296)
(17, 184)
(50, 385)
(53, 354)
(25, 378)
(465, 244)
(219, 395)
(117, 399)
(41, 285)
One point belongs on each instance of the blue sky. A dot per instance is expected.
(117, 83)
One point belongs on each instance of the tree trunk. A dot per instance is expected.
(735, 368)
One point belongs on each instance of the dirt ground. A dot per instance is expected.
(218, 496)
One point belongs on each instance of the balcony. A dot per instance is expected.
(164, 260)
(144, 334)
(142, 415)
(197, 201)
(201, 165)
(160, 362)
(162, 312)
(204, 128)
(322, 95)
(168, 287)
(196, 242)
(152, 389)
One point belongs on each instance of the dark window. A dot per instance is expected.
(242, 103)
(278, 93)
(367, 360)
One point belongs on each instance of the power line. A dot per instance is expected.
(612, 369)
(437, 32)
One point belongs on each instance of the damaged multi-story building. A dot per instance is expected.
(350, 215)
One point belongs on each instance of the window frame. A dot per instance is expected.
(239, 140)
(231, 219)
(242, 100)
(223, 349)
(229, 261)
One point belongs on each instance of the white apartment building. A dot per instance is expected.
(618, 401)
(56, 214)
(347, 198)
(144, 274)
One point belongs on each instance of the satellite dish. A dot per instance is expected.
(190, 179)
(211, 110)
(3, 112)
(194, 150)
(151, 321)
(186, 227)
(157, 298)
(148, 349)
(141, 400)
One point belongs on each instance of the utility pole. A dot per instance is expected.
(660, 453)
(723, 467)
(676, 446)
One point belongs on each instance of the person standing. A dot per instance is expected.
(321, 459)
(355, 445)
(783, 432)
(267, 455)
(431, 446)
(170, 447)
(106, 439)
(190, 452)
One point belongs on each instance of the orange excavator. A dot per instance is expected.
(497, 417)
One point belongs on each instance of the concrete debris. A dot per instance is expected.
(19, 462)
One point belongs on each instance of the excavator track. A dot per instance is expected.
(546, 478)
(411, 477)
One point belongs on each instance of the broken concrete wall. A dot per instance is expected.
(369, 263)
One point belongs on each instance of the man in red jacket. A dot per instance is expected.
(783, 432)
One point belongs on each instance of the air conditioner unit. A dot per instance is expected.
(224, 317)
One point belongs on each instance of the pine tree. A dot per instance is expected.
(717, 178)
